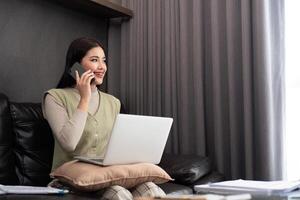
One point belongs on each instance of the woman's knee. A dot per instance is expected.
(116, 192)
(149, 189)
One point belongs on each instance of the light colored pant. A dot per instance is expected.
(148, 189)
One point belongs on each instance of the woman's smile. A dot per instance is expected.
(99, 74)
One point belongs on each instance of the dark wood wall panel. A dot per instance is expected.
(34, 36)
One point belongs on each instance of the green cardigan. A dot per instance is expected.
(98, 126)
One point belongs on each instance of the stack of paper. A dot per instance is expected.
(249, 186)
(17, 189)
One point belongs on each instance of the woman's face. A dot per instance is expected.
(95, 61)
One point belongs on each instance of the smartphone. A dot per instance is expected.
(76, 67)
(79, 68)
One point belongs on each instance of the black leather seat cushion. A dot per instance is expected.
(7, 165)
(33, 143)
(185, 169)
(212, 177)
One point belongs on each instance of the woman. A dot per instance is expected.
(81, 117)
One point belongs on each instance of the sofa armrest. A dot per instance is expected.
(175, 189)
(185, 169)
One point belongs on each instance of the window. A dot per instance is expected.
(292, 63)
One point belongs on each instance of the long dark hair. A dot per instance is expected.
(76, 51)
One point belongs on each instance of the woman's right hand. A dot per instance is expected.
(83, 85)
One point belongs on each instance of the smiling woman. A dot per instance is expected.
(292, 63)
(82, 117)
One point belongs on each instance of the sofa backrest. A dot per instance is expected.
(7, 157)
(31, 146)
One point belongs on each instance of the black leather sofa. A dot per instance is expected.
(26, 150)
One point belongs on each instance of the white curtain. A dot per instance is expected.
(216, 67)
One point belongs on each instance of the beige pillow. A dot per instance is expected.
(89, 177)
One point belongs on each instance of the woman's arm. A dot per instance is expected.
(67, 131)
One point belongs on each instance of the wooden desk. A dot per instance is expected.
(181, 197)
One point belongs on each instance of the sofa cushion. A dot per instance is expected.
(211, 177)
(89, 177)
(7, 164)
(185, 169)
(33, 143)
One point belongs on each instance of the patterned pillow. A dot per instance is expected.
(89, 177)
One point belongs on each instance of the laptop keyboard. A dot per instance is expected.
(96, 159)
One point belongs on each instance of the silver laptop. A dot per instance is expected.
(135, 139)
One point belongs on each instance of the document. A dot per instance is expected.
(250, 186)
(283, 186)
(18, 189)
